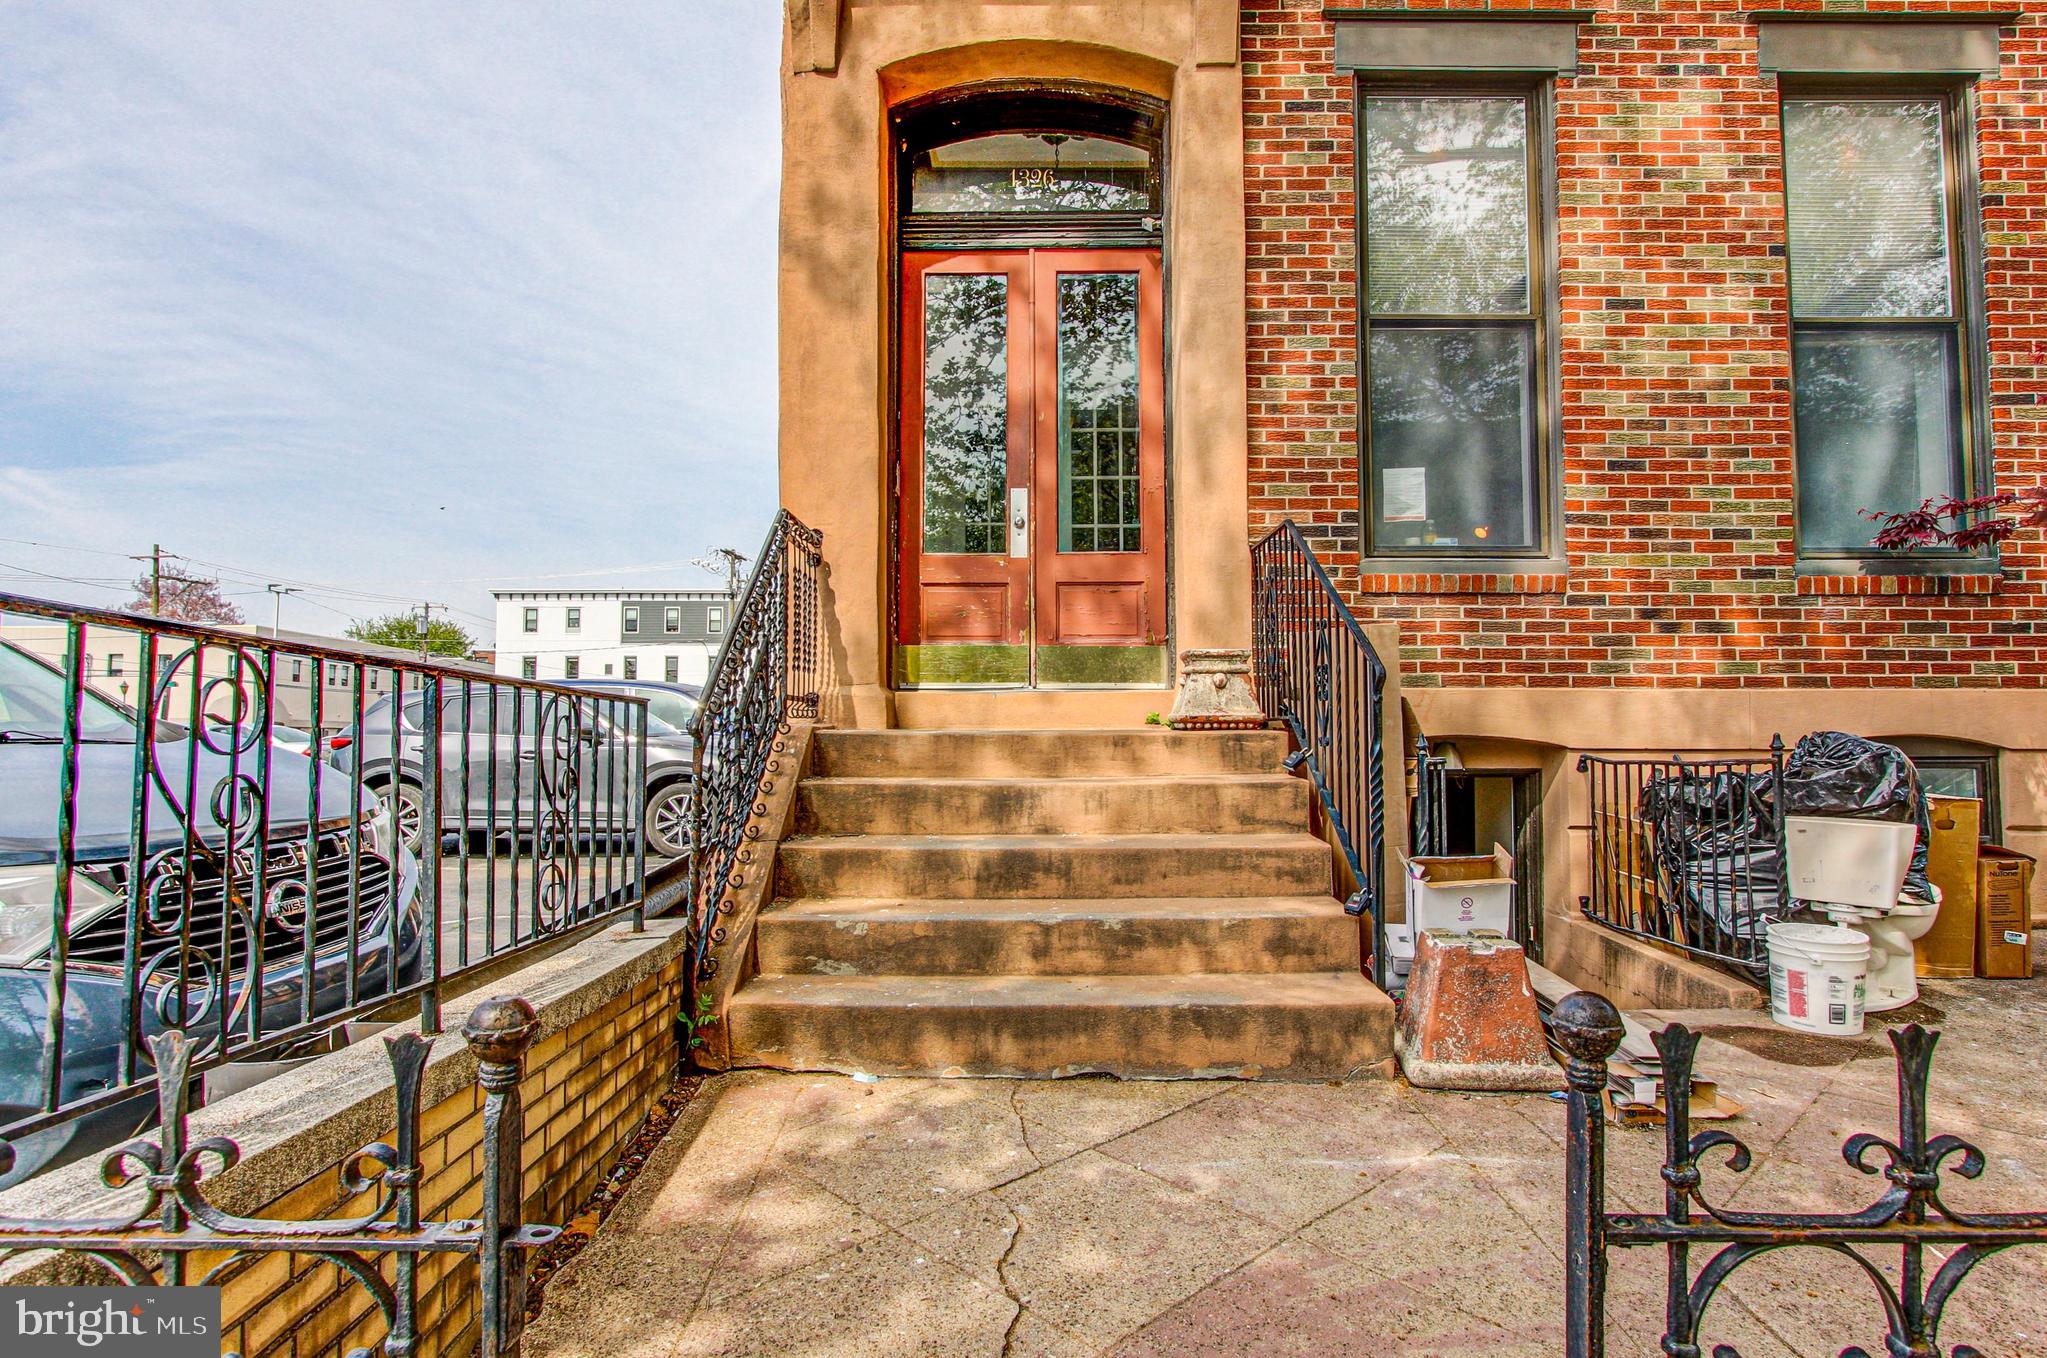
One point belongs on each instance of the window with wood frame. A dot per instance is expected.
(1456, 444)
(1880, 316)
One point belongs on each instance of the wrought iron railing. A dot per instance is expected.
(1689, 853)
(1318, 673)
(768, 671)
(251, 839)
(1429, 825)
(175, 1236)
(1909, 1216)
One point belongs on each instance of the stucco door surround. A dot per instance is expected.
(1031, 512)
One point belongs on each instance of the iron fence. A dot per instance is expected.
(1318, 673)
(1429, 825)
(1908, 1216)
(768, 671)
(1689, 853)
(251, 839)
(176, 1237)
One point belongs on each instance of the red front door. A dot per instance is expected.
(1032, 507)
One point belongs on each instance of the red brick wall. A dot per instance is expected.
(1674, 350)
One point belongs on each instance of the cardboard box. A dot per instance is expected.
(1461, 893)
(1949, 947)
(2004, 913)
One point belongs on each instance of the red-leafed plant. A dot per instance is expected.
(1966, 525)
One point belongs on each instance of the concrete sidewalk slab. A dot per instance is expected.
(812, 1216)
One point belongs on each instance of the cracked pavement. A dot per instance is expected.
(829, 1217)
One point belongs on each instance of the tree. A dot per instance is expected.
(1966, 525)
(183, 598)
(402, 630)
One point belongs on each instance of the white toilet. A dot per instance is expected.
(1893, 965)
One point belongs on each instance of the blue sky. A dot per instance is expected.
(395, 297)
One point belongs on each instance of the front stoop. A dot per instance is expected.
(1026, 903)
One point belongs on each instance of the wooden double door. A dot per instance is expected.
(1032, 500)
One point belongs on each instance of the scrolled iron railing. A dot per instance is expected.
(768, 671)
(252, 839)
(1937, 1244)
(172, 1234)
(1318, 673)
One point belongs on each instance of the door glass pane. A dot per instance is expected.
(966, 412)
(1875, 425)
(1866, 196)
(1446, 189)
(1452, 464)
(1032, 172)
(1098, 433)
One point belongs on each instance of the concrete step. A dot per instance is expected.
(1122, 753)
(1041, 867)
(1302, 1026)
(1192, 803)
(1133, 936)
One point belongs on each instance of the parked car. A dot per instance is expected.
(216, 922)
(675, 704)
(503, 733)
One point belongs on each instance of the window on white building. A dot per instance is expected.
(632, 667)
(532, 620)
(572, 667)
(529, 667)
(574, 621)
(671, 669)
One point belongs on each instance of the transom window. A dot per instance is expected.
(1453, 325)
(1878, 334)
(1032, 172)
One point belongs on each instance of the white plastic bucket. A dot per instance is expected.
(1818, 974)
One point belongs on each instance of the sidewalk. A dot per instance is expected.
(832, 1218)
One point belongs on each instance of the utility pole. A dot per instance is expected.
(156, 579)
(277, 593)
(426, 618)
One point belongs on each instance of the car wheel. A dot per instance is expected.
(668, 821)
(411, 812)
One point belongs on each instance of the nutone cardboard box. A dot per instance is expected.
(2004, 896)
(1949, 947)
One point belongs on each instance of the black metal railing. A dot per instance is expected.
(1689, 853)
(1429, 824)
(768, 671)
(1318, 673)
(251, 839)
(175, 1236)
(1909, 1215)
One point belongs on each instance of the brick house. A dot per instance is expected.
(1575, 343)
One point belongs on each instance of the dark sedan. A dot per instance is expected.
(209, 953)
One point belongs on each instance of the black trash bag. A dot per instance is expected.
(1831, 773)
(1716, 856)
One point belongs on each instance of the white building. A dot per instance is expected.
(666, 635)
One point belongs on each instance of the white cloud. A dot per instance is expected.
(281, 282)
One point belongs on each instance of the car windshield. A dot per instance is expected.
(32, 704)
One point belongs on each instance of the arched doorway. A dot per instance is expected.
(1030, 544)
